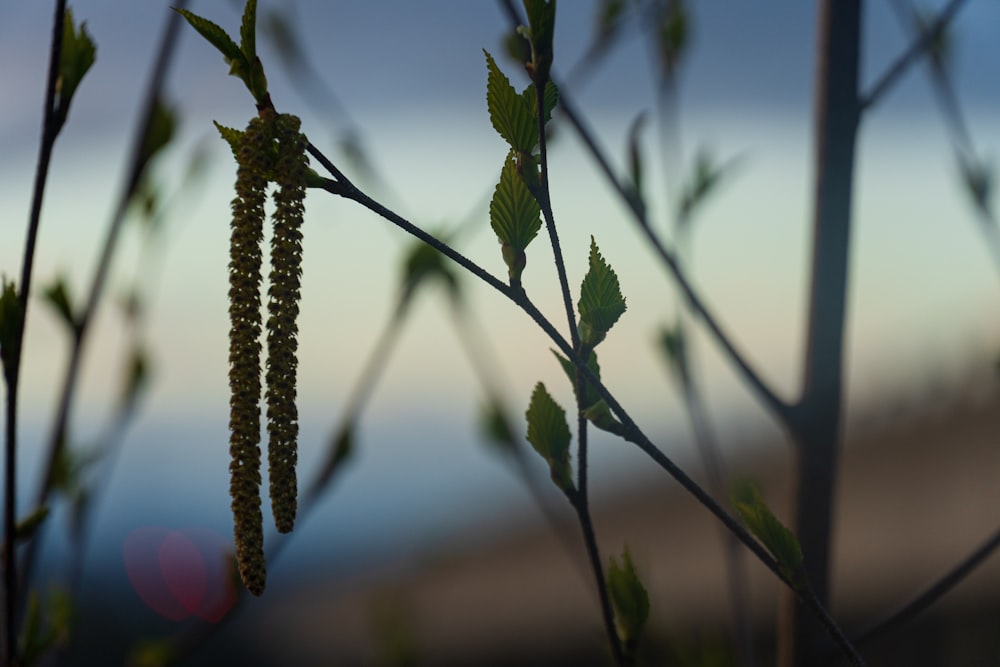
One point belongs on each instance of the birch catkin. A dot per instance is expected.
(244, 351)
(283, 310)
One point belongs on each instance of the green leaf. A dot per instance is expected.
(978, 178)
(496, 427)
(541, 22)
(232, 136)
(57, 295)
(594, 407)
(28, 526)
(549, 101)
(515, 217)
(607, 23)
(45, 629)
(340, 450)
(154, 652)
(549, 434)
(674, 349)
(424, 264)
(703, 181)
(137, 374)
(162, 123)
(780, 541)
(248, 31)
(629, 600)
(510, 113)
(635, 158)
(672, 36)
(77, 56)
(939, 50)
(11, 317)
(33, 641)
(601, 301)
(218, 38)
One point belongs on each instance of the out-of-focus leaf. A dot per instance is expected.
(601, 302)
(423, 265)
(766, 527)
(594, 407)
(541, 24)
(162, 124)
(517, 47)
(629, 600)
(137, 372)
(77, 57)
(496, 426)
(11, 318)
(549, 434)
(57, 296)
(28, 526)
(939, 49)
(703, 181)
(978, 178)
(153, 653)
(339, 451)
(635, 157)
(45, 626)
(672, 36)
(607, 22)
(674, 349)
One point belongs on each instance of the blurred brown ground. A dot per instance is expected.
(918, 491)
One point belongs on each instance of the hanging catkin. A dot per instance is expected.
(253, 157)
(283, 310)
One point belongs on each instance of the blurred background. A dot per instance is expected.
(394, 93)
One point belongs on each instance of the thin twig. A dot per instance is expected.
(631, 432)
(580, 503)
(50, 129)
(137, 163)
(962, 140)
(778, 406)
(911, 55)
(933, 593)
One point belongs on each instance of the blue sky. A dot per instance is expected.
(924, 295)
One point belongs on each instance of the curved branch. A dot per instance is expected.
(630, 431)
(892, 75)
(933, 592)
(785, 411)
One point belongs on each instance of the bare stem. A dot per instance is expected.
(911, 55)
(631, 431)
(933, 592)
(50, 129)
(137, 162)
(778, 406)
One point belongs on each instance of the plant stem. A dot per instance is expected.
(545, 202)
(933, 592)
(818, 437)
(50, 130)
(578, 499)
(917, 49)
(785, 412)
(137, 163)
(631, 432)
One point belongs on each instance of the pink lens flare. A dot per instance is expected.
(181, 573)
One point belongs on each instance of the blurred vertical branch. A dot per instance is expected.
(148, 140)
(12, 362)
